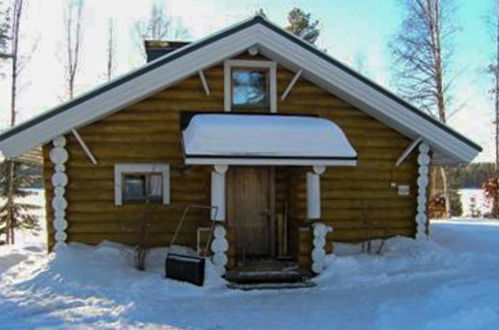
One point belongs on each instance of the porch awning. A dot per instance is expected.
(258, 139)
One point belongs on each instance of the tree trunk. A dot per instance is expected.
(445, 190)
(9, 226)
(10, 223)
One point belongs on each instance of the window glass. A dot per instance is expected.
(134, 187)
(147, 187)
(249, 87)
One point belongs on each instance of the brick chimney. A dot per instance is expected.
(156, 48)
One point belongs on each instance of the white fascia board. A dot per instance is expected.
(130, 92)
(361, 95)
(268, 161)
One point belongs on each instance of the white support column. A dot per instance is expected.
(219, 247)
(314, 193)
(59, 156)
(218, 192)
(320, 231)
(421, 217)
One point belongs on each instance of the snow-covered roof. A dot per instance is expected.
(271, 41)
(265, 139)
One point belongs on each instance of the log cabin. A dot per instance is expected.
(276, 149)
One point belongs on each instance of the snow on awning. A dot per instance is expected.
(254, 139)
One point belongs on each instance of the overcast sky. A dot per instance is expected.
(351, 30)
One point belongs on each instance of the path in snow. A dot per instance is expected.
(452, 282)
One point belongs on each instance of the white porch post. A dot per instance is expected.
(58, 155)
(219, 246)
(314, 193)
(320, 230)
(421, 217)
(218, 192)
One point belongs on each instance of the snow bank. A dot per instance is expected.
(109, 267)
(450, 282)
(401, 259)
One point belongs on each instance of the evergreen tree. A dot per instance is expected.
(14, 180)
(302, 25)
(261, 12)
(21, 210)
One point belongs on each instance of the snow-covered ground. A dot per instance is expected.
(451, 282)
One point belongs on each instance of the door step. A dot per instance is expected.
(271, 286)
(267, 276)
(264, 277)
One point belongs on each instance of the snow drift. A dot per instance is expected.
(451, 282)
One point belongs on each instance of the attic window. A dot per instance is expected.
(250, 88)
(250, 85)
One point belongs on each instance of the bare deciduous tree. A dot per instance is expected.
(492, 183)
(422, 52)
(493, 69)
(159, 26)
(4, 31)
(14, 179)
(111, 49)
(72, 42)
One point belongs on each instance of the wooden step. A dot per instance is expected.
(271, 286)
(290, 276)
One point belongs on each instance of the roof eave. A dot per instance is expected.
(328, 73)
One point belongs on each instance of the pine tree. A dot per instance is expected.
(14, 181)
(21, 210)
(302, 25)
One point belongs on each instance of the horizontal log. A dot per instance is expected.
(357, 235)
(178, 103)
(329, 215)
(103, 191)
(335, 194)
(104, 196)
(371, 214)
(130, 239)
(137, 138)
(184, 174)
(167, 220)
(152, 111)
(373, 224)
(316, 101)
(134, 227)
(384, 176)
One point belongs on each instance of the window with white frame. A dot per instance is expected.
(142, 183)
(250, 85)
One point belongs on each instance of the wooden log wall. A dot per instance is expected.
(149, 131)
(358, 202)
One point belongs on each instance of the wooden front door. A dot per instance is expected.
(248, 210)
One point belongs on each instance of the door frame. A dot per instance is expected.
(272, 208)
